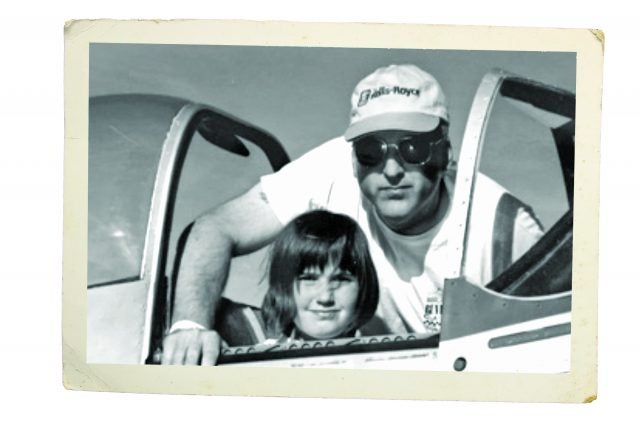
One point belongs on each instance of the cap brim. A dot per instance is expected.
(412, 122)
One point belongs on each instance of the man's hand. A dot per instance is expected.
(191, 347)
(238, 227)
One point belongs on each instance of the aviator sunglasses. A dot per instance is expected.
(416, 149)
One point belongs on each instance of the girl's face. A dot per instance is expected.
(325, 301)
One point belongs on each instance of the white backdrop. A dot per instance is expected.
(31, 165)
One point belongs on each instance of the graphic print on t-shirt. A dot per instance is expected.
(433, 314)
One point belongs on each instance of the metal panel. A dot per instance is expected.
(115, 322)
(469, 309)
(467, 165)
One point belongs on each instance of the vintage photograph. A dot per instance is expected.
(337, 207)
(409, 214)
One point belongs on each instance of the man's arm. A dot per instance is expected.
(239, 226)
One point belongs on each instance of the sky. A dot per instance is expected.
(302, 94)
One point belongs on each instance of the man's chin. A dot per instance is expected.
(393, 213)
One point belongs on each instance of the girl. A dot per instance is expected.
(322, 282)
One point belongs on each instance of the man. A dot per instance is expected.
(390, 173)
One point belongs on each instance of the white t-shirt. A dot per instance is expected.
(411, 269)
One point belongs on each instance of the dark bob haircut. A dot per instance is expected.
(311, 240)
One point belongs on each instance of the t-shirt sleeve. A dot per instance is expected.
(306, 182)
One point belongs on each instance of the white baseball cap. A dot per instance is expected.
(397, 97)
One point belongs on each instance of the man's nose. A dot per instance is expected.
(393, 168)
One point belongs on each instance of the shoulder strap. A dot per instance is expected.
(503, 227)
(240, 324)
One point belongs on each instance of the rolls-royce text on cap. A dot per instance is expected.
(397, 97)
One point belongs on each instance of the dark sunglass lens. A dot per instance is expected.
(415, 150)
(369, 150)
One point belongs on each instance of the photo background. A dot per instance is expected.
(302, 95)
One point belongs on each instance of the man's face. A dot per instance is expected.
(404, 197)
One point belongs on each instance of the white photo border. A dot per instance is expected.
(579, 385)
